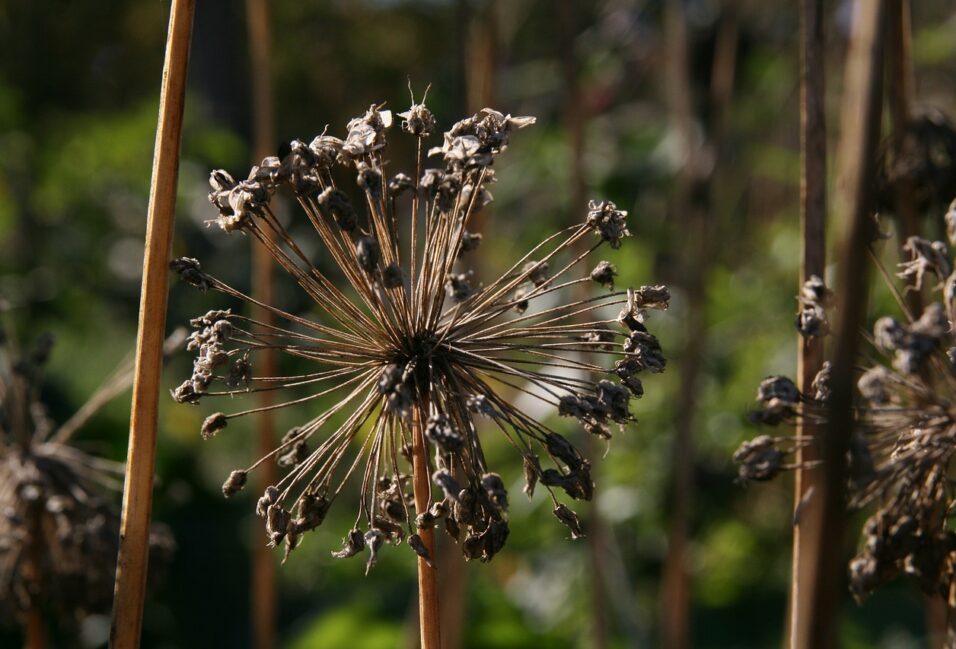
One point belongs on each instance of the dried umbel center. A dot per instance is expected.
(59, 528)
(900, 460)
(409, 339)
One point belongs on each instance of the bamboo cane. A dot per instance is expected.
(132, 559)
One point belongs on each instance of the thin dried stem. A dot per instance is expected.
(140, 464)
(859, 132)
(263, 595)
(813, 168)
(428, 614)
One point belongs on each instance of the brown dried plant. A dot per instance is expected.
(59, 525)
(903, 443)
(405, 338)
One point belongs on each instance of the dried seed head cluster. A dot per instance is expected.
(408, 340)
(904, 439)
(58, 532)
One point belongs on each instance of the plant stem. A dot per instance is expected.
(263, 596)
(860, 110)
(133, 554)
(813, 205)
(428, 619)
(35, 636)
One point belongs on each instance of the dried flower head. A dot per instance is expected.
(903, 442)
(59, 529)
(410, 345)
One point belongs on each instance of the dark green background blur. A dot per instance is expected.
(79, 87)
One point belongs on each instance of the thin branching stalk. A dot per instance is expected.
(859, 132)
(263, 596)
(140, 464)
(813, 171)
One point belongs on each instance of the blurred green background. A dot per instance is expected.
(79, 87)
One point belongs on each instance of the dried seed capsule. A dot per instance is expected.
(373, 541)
(470, 241)
(570, 519)
(604, 274)
(352, 544)
(269, 498)
(335, 203)
(190, 272)
(392, 276)
(495, 488)
(213, 424)
(278, 521)
(439, 431)
(367, 254)
(415, 543)
(234, 483)
(759, 459)
(536, 272)
(608, 221)
(447, 484)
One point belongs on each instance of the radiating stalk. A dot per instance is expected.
(133, 554)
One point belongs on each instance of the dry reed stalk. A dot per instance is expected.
(140, 464)
(859, 131)
(813, 200)
(263, 596)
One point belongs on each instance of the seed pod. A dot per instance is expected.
(367, 254)
(352, 544)
(570, 519)
(234, 483)
(213, 424)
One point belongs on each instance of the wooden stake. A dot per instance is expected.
(140, 462)
(813, 206)
(428, 618)
(860, 111)
(263, 596)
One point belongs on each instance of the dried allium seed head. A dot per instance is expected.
(902, 441)
(409, 343)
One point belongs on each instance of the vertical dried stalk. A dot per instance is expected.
(598, 532)
(859, 132)
(140, 462)
(813, 205)
(693, 200)
(428, 616)
(263, 596)
(899, 90)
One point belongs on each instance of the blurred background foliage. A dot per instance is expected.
(78, 94)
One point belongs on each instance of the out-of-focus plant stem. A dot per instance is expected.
(692, 207)
(813, 206)
(263, 595)
(860, 111)
(140, 462)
